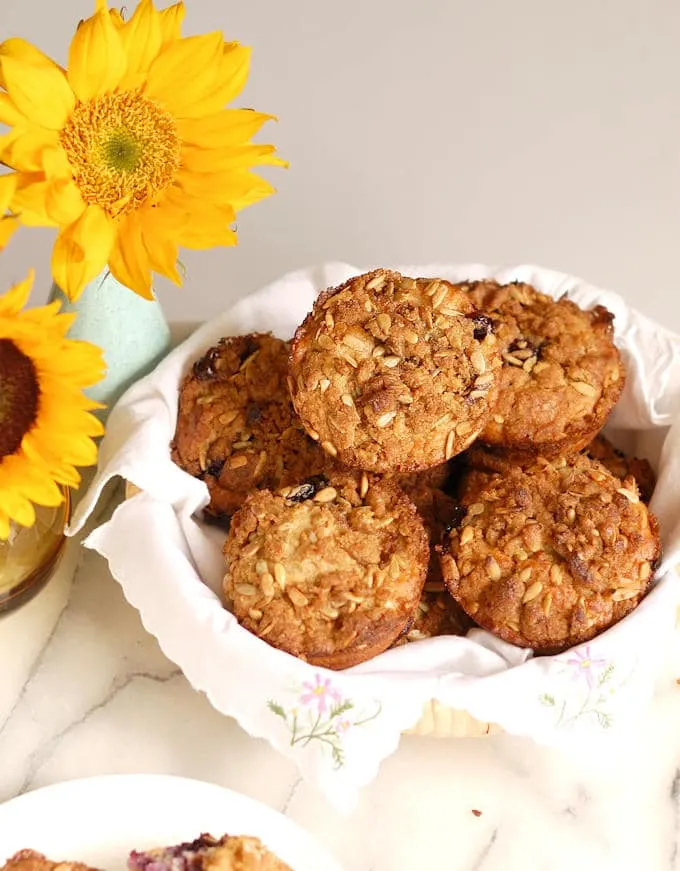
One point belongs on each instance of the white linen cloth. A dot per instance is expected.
(338, 726)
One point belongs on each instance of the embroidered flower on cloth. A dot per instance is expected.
(587, 690)
(321, 714)
(585, 665)
(319, 693)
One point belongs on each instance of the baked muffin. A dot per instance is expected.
(236, 427)
(472, 481)
(623, 466)
(437, 614)
(550, 556)
(228, 853)
(330, 571)
(561, 375)
(481, 458)
(30, 860)
(394, 374)
(421, 487)
(436, 509)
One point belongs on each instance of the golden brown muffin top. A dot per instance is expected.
(330, 571)
(394, 374)
(549, 556)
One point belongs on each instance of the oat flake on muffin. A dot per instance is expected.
(328, 570)
(394, 374)
(562, 373)
(236, 426)
(550, 556)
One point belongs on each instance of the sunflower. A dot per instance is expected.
(46, 428)
(130, 152)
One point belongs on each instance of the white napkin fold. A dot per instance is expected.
(338, 727)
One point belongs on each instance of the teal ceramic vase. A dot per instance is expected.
(131, 331)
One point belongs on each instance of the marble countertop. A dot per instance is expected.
(85, 690)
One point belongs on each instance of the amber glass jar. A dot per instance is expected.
(31, 555)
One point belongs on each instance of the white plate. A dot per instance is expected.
(99, 820)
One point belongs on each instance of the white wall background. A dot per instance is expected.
(495, 130)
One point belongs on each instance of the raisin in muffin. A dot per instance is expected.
(330, 571)
(394, 374)
(561, 375)
(236, 427)
(550, 556)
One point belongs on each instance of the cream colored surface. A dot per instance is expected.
(443, 130)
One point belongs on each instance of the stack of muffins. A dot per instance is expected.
(421, 458)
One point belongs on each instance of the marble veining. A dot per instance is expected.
(86, 690)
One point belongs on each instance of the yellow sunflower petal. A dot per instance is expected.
(207, 224)
(4, 525)
(75, 446)
(159, 231)
(208, 237)
(230, 157)
(9, 114)
(55, 163)
(36, 451)
(41, 93)
(24, 148)
(185, 204)
(16, 297)
(8, 227)
(33, 481)
(82, 250)
(129, 261)
(17, 506)
(30, 204)
(44, 492)
(97, 59)
(117, 18)
(230, 127)
(64, 203)
(171, 22)
(44, 317)
(247, 188)
(163, 257)
(58, 434)
(47, 203)
(8, 184)
(82, 366)
(26, 51)
(230, 81)
(142, 41)
(168, 81)
(60, 472)
(235, 188)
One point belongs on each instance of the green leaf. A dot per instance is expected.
(342, 708)
(604, 720)
(338, 756)
(606, 674)
(276, 709)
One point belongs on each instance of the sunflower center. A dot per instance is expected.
(18, 396)
(123, 150)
